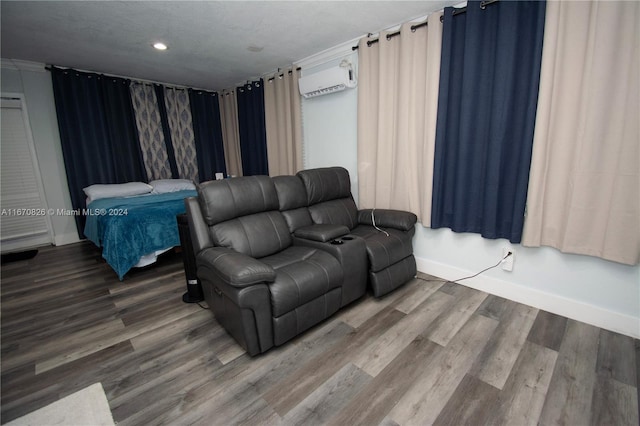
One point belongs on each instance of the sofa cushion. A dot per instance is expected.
(326, 184)
(384, 250)
(293, 201)
(221, 200)
(297, 218)
(256, 235)
(342, 211)
(291, 192)
(302, 274)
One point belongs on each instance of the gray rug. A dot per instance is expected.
(87, 407)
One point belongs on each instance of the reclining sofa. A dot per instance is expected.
(276, 256)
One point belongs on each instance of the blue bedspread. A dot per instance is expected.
(129, 228)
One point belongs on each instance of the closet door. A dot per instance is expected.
(25, 220)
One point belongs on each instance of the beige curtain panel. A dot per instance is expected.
(584, 186)
(397, 109)
(230, 132)
(283, 122)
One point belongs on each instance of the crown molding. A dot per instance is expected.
(7, 64)
(18, 64)
(336, 52)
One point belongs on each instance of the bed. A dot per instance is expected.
(133, 230)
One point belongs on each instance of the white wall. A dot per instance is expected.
(588, 289)
(34, 82)
(329, 137)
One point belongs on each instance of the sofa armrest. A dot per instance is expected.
(322, 233)
(233, 268)
(197, 228)
(386, 218)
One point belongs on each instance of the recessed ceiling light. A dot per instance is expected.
(160, 46)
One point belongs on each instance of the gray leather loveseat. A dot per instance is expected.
(278, 255)
(387, 233)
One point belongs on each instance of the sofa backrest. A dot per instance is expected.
(293, 201)
(329, 196)
(242, 214)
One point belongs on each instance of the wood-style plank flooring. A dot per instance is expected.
(429, 353)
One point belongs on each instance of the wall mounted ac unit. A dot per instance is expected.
(328, 81)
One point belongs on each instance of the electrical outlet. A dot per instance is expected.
(507, 264)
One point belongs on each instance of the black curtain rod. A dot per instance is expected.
(50, 67)
(289, 72)
(458, 11)
(461, 10)
(391, 35)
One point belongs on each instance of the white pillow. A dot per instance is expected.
(98, 191)
(162, 186)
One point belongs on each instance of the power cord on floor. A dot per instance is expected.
(470, 276)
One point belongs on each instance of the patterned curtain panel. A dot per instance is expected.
(166, 130)
(180, 124)
(154, 151)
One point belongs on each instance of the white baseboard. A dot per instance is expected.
(25, 243)
(64, 239)
(560, 305)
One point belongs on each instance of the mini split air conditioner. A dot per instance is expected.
(327, 81)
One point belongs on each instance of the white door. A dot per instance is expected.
(25, 220)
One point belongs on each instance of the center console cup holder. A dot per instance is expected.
(337, 242)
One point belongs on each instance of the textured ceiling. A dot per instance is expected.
(212, 44)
